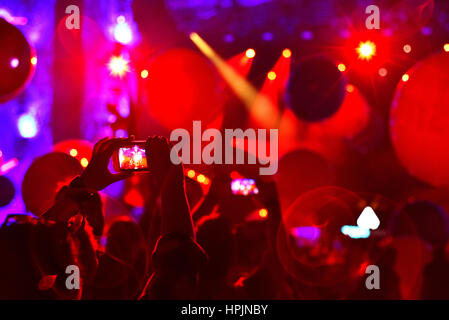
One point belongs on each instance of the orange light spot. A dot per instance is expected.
(383, 72)
(118, 66)
(201, 178)
(263, 213)
(405, 77)
(446, 47)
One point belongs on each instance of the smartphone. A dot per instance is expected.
(131, 157)
(244, 187)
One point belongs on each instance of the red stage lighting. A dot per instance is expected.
(366, 50)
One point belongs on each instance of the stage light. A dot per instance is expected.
(8, 165)
(84, 162)
(368, 219)
(446, 47)
(118, 65)
(366, 50)
(201, 178)
(34, 61)
(73, 152)
(250, 53)
(144, 74)
(407, 48)
(121, 133)
(383, 72)
(307, 35)
(271, 75)
(405, 77)
(121, 19)
(426, 30)
(191, 173)
(122, 31)
(27, 126)
(14, 63)
(15, 52)
(287, 53)
(341, 67)
(11, 19)
(263, 213)
(349, 88)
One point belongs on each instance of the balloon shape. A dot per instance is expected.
(419, 121)
(311, 246)
(15, 61)
(44, 178)
(7, 191)
(183, 86)
(316, 89)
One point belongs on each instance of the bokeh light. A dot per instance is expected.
(144, 74)
(383, 72)
(122, 31)
(27, 126)
(84, 162)
(407, 48)
(73, 152)
(118, 66)
(287, 53)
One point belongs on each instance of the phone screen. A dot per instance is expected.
(132, 158)
(244, 187)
